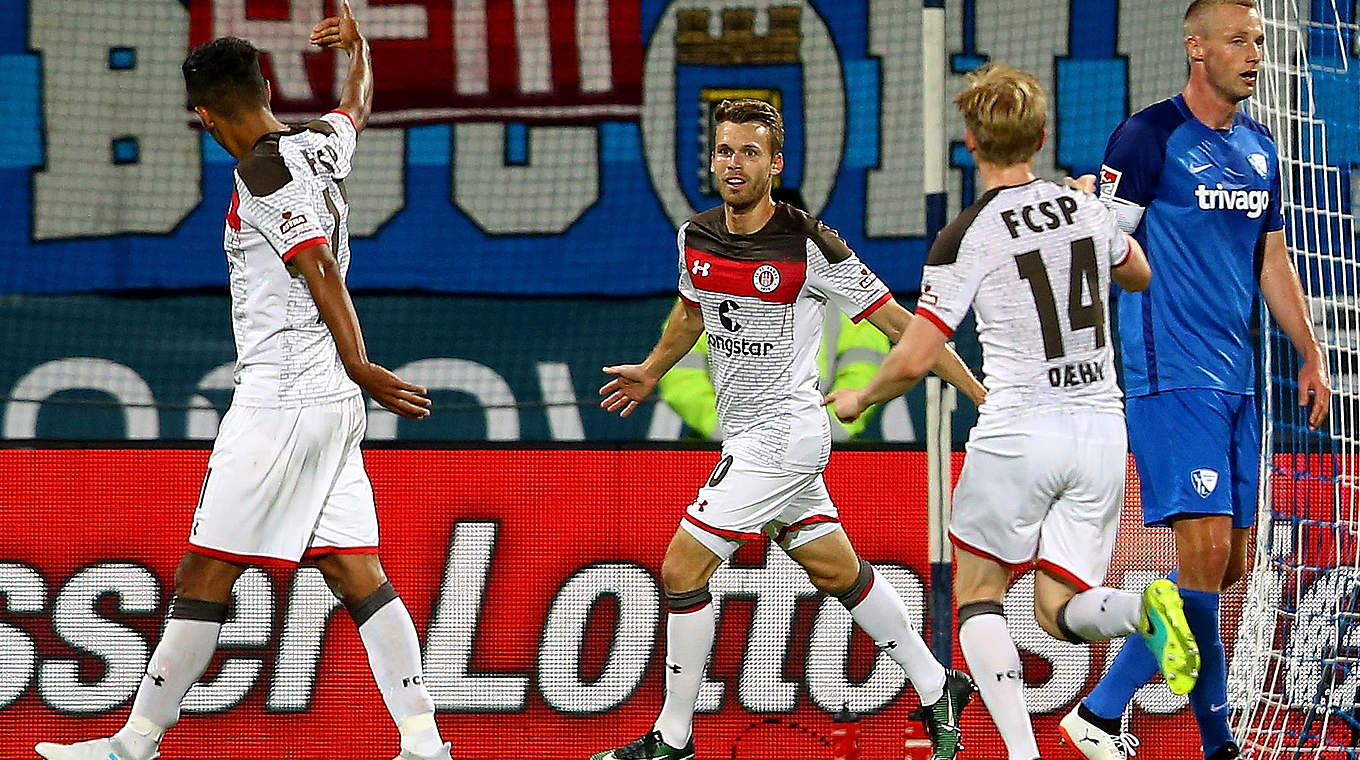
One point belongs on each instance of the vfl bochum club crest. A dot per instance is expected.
(1205, 481)
(1258, 162)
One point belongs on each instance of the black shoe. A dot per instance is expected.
(649, 747)
(1226, 752)
(942, 717)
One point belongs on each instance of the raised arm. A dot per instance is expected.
(634, 382)
(356, 99)
(1284, 298)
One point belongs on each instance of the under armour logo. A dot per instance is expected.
(699, 267)
(1205, 481)
(155, 679)
(673, 667)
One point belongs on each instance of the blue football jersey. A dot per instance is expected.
(1209, 197)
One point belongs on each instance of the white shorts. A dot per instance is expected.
(1046, 491)
(287, 484)
(740, 501)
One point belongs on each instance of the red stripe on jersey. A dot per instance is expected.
(318, 240)
(773, 281)
(873, 307)
(234, 218)
(922, 311)
(1127, 254)
(347, 116)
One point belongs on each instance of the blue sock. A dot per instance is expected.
(1211, 690)
(1132, 668)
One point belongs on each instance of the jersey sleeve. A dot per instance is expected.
(949, 282)
(286, 217)
(1131, 171)
(837, 273)
(1111, 236)
(688, 293)
(337, 152)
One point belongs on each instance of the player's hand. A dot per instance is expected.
(1085, 183)
(338, 31)
(631, 384)
(1315, 389)
(391, 392)
(847, 403)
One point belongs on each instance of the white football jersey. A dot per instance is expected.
(763, 297)
(289, 195)
(1033, 261)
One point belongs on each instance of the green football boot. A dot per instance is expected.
(1168, 635)
(942, 717)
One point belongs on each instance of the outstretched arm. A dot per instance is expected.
(1284, 297)
(909, 361)
(356, 99)
(893, 320)
(634, 382)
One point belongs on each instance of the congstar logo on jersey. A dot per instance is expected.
(738, 347)
(1254, 202)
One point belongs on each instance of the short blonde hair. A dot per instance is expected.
(1005, 109)
(1194, 15)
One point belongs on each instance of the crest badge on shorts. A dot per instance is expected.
(1205, 481)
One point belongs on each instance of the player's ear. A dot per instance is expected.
(777, 165)
(1193, 50)
(1043, 135)
(969, 141)
(268, 91)
(205, 117)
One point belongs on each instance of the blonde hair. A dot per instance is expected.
(1194, 15)
(1005, 110)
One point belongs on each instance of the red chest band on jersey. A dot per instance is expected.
(773, 281)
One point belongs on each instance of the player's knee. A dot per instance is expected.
(351, 577)
(853, 592)
(679, 576)
(200, 577)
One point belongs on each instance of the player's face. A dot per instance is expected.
(743, 163)
(1230, 48)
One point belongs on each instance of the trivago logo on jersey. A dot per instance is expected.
(1254, 202)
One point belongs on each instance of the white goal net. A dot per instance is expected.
(1295, 670)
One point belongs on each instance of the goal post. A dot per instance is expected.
(1295, 669)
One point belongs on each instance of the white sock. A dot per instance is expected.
(389, 637)
(995, 664)
(1101, 614)
(883, 615)
(689, 639)
(184, 652)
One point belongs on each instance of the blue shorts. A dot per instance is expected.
(1198, 453)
